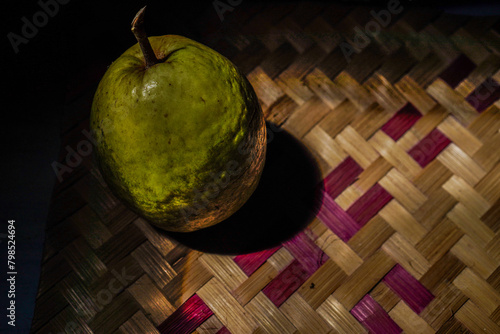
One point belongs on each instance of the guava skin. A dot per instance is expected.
(182, 143)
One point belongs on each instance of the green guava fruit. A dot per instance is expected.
(179, 133)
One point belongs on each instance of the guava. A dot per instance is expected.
(180, 135)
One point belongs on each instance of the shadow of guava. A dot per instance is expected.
(288, 197)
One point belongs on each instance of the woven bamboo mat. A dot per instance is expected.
(405, 132)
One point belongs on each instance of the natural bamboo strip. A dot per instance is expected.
(371, 119)
(496, 76)
(281, 259)
(280, 110)
(465, 194)
(387, 148)
(363, 279)
(408, 140)
(452, 129)
(290, 80)
(79, 297)
(224, 268)
(403, 222)
(489, 186)
(487, 156)
(493, 248)
(356, 93)
(270, 318)
(188, 281)
(267, 91)
(371, 237)
(486, 124)
(461, 164)
(84, 261)
(306, 117)
(475, 319)
(384, 296)
(415, 94)
(348, 197)
(339, 252)
(118, 311)
(139, 323)
(486, 69)
(315, 229)
(336, 120)
(403, 190)
(448, 300)
(295, 35)
(398, 248)
(428, 122)
(255, 283)
(447, 51)
(53, 271)
(437, 206)
(154, 264)
(226, 308)
(474, 50)
(474, 256)
(323, 34)
(465, 88)
(470, 224)
(385, 94)
(161, 242)
(356, 190)
(294, 88)
(152, 301)
(66, 320)
(408, 320)
(210, 326)
(439, 240)
(478, 290)
(322, 283)
(121, 244)
(303, 317)
(425, 71)
(339, 318)
(366, 62)
(324, 88)
(434, 175)
(370, 176)
(320, 142)
(357, 147)
(90, 227)
(452, 101)
(490, 218)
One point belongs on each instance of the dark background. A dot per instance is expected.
(36, 82)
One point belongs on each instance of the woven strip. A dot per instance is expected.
(404, 131)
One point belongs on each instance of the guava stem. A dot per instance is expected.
(142, 38)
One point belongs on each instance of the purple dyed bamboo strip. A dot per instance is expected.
(187, 317)
(286, 283)
(341, 177)
(401, 122)
(429, 147)
(310, 256)
(374, 318)
(223, 330)
(408, 288)
(369, 204)
(249, 263)
(459, 69)
(337, 219)
(484, 95)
